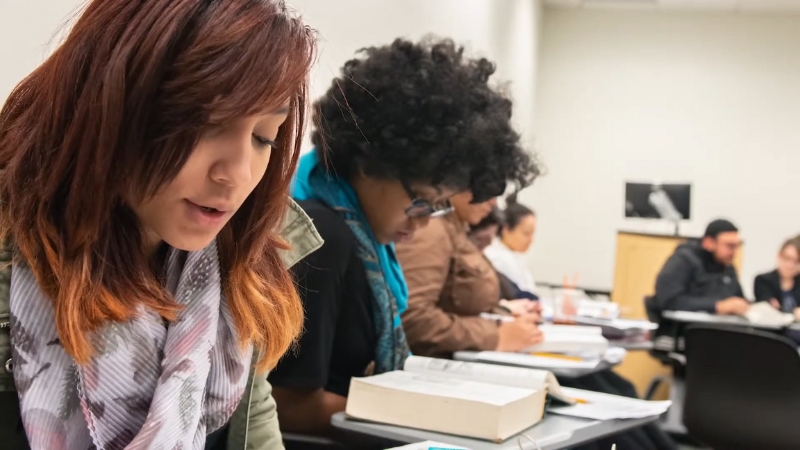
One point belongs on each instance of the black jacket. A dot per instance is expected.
(692, 280)
(768, 286)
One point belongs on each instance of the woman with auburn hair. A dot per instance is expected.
(144, 171)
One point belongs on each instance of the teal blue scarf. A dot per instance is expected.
(385, 277)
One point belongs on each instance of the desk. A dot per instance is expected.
(631, 346)
(703, 317)
(566, 373)
(554, 432)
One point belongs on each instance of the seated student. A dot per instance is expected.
(700, 275)
(781, 287)
(450, 283)
(482, 234)
(507, 252)
(422, 124)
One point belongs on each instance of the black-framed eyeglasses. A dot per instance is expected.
(423, 208)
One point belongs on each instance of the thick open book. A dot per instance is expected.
(454, 399)
(490, 373)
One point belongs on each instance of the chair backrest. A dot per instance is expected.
(296, 441)
(742, 389)
(652, 308)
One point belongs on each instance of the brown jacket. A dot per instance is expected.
(450, 283)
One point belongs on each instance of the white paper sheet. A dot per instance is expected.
(597, 406)
(540, 362)
(428, 445)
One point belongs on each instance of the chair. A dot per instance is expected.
(742, 389)
(343, 441)
(296, 441)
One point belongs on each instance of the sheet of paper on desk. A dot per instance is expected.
(615, 355)
(597, 406)
(428, 445)
(540, 362)
(571, 339)
(620, 324)
(699, 316)
(597, 309)
(762, 313)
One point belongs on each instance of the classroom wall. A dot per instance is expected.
(505, 32)
(29, 30)
(707, 98)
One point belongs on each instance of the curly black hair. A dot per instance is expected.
(422, 112)
(494, 218)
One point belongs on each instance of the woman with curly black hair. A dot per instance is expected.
(404, 127)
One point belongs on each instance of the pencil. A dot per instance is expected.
(557, 356)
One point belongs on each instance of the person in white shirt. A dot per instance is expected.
(507, 251)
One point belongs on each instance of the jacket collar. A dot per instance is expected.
(299, 232)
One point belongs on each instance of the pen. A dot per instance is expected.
(503, 309)
(497, 317)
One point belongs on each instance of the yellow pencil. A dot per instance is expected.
(557, 356)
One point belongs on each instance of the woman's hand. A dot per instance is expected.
(522, 307)
(519, 334)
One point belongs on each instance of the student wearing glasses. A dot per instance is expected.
(404, 127)
(700, 275)
(781, 287)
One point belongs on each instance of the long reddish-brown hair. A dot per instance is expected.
(116, 111)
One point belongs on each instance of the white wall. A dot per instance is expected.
(505, 31)
(29, 30)
(712, 99)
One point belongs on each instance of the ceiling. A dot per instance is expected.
(743, 6)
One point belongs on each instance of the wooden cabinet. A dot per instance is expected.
(639, 260)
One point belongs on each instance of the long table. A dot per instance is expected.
(703, 317)
(554, 432)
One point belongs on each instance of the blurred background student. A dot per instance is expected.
(482, 234)
(507, 250)
(781, 287)
(451, 283)
(700, 275)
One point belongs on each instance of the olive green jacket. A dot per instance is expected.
(254, 424)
